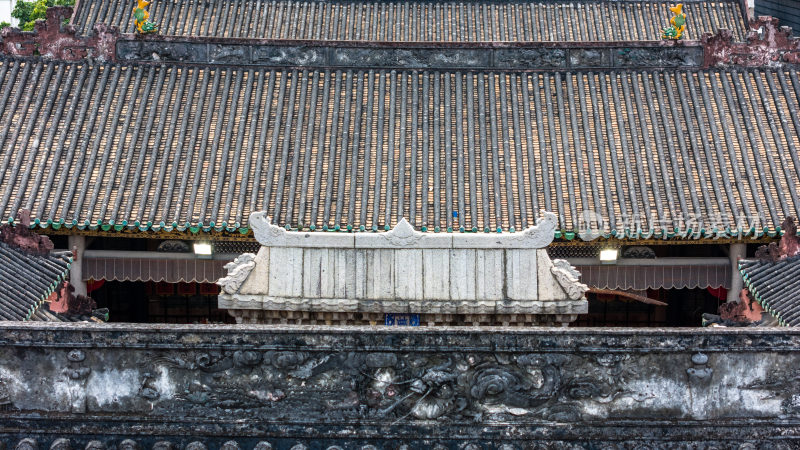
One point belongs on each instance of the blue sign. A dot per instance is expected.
(402, 320)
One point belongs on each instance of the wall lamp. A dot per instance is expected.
(609, 255)
(203, 250)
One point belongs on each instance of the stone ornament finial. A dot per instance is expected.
(263, 229)
(403, 234)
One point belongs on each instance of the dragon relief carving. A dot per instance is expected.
(238, 270)
(567, 276)
(391, 386)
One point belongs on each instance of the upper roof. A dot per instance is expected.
(418, 21)
(27, 280)
(776, 286)
(184, 146)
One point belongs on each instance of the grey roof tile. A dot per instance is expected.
(26, 280)
(776, 287)
(419, 21)
(84, 144)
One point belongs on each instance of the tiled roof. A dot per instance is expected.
(418, 21)
(776, 286)
(139, 146)
(27, 280)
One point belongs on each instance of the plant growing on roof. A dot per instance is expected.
(677, 24)
(28, 12)
(140, 16)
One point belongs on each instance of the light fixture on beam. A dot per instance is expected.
(203, 250)
(609, 255)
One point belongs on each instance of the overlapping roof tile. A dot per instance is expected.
(776, 286)
(27, 280)
(652, 152)
(418, 21)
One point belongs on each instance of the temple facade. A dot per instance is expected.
(405, 220)
(344, 118)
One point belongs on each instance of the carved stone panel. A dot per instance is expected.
(658, 57)
(533, 58)
(295, 56)
(175, 385)
(161, 51)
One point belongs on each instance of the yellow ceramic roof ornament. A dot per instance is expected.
(677, 24)
(140, 16)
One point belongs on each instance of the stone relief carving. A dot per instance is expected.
(74, 377)
(568, 382)
(658, 57)
(228, 53)
(403, 234)
(238, 270)
(700, 373)
(567, 276)
(396, 386)
(531, 58)
(301, 56)
(781, 384)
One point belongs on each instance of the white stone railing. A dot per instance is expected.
(403, 271)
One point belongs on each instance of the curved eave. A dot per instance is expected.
(189, 231)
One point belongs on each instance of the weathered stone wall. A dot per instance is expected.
(389, 387)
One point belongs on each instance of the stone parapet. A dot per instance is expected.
(403, 271)
(149, 386)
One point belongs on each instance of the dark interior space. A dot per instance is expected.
(158, 302)
(684, 309)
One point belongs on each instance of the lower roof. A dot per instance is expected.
(776, 286)
(653, 153)
(27, 280)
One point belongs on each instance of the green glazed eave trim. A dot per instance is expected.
(567, 234)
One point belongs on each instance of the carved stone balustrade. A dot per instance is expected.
(486, 278)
